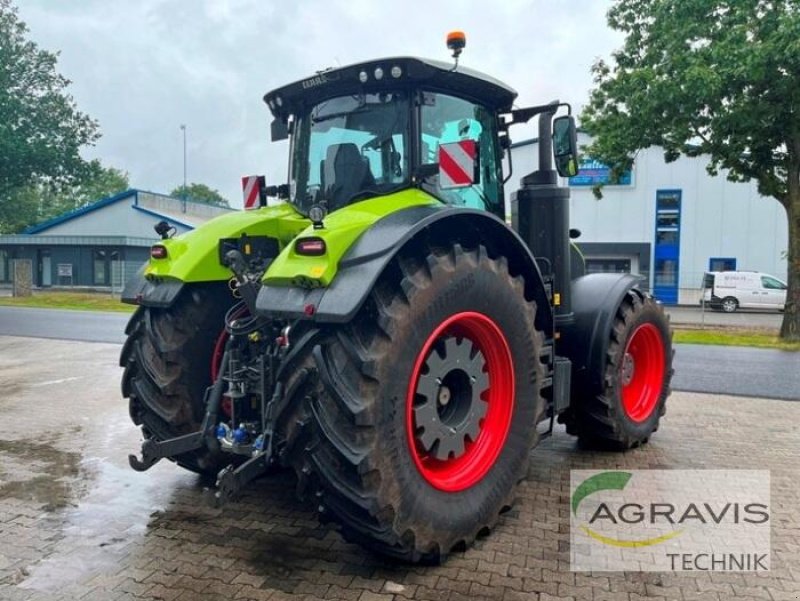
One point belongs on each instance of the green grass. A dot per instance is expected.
(734, 337)
(78, 301)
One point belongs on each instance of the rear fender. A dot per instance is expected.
(195, 256)
(585, 339)
(368, 257)
(152, 292)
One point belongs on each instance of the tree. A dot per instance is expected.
(100, 182)
(20, 208)
(37, 202)
(41, 129)
(708, 77)
(201, 193)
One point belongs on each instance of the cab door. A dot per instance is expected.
(445, 119)
(772, 293)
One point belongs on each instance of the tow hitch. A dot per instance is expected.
(154, 451)
(250, 383)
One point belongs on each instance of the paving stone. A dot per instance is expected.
(162, 542)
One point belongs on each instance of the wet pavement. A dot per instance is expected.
(77, 523)
(63, 324)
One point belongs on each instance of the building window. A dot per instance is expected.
(595, 265)
(103, 264)
(4, 266)
(667, 236)
(666, 272)
(99, 269)
(722, 264)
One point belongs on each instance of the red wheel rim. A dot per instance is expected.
(460, 472)
(642, 372)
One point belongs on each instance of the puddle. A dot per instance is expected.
(40, 473)
(97, 533)
(110, 510)
(57, 381)
(102, 516)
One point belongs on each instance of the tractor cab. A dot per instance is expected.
(376, 128)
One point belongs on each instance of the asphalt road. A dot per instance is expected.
(88, 326)
(737, 370)
(744, 371)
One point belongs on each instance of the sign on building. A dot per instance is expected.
(595, 173)
(64, 271)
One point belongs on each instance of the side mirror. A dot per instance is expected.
(280, 129)
(565, 146)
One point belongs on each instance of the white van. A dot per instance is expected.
(730, 290)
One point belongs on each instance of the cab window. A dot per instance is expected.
(772, 283)
(449, 119)
(349, 148)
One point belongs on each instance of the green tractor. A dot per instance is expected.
(382, 330)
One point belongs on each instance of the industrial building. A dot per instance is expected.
(102, 244)
(669, 222)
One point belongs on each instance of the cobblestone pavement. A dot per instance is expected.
(77, 523)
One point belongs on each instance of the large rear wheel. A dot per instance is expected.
(169, 357)
(426, 412)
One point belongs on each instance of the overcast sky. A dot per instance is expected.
(144, 67)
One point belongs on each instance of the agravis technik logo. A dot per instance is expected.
(612, 481)
(704, 520)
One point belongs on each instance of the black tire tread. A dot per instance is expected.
(598, 421)
(165, 359)
(347, 455)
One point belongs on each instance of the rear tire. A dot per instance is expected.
(401, 488)
(636, 378)
(729, 304)
(167, 360)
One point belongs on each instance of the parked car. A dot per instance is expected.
(731, 290)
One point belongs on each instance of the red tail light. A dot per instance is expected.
(312, 247)
(158, 252)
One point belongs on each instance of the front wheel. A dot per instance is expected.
(427, 410)
(636, 378)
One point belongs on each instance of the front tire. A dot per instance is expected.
(636, 378)
(168, 364)
(428, 405)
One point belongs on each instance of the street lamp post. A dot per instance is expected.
(183, 129)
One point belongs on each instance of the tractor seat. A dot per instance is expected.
(346, 173)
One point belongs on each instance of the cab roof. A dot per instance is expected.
(413, 72)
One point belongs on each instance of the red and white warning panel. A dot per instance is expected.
(254, 190)
(458, 164)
